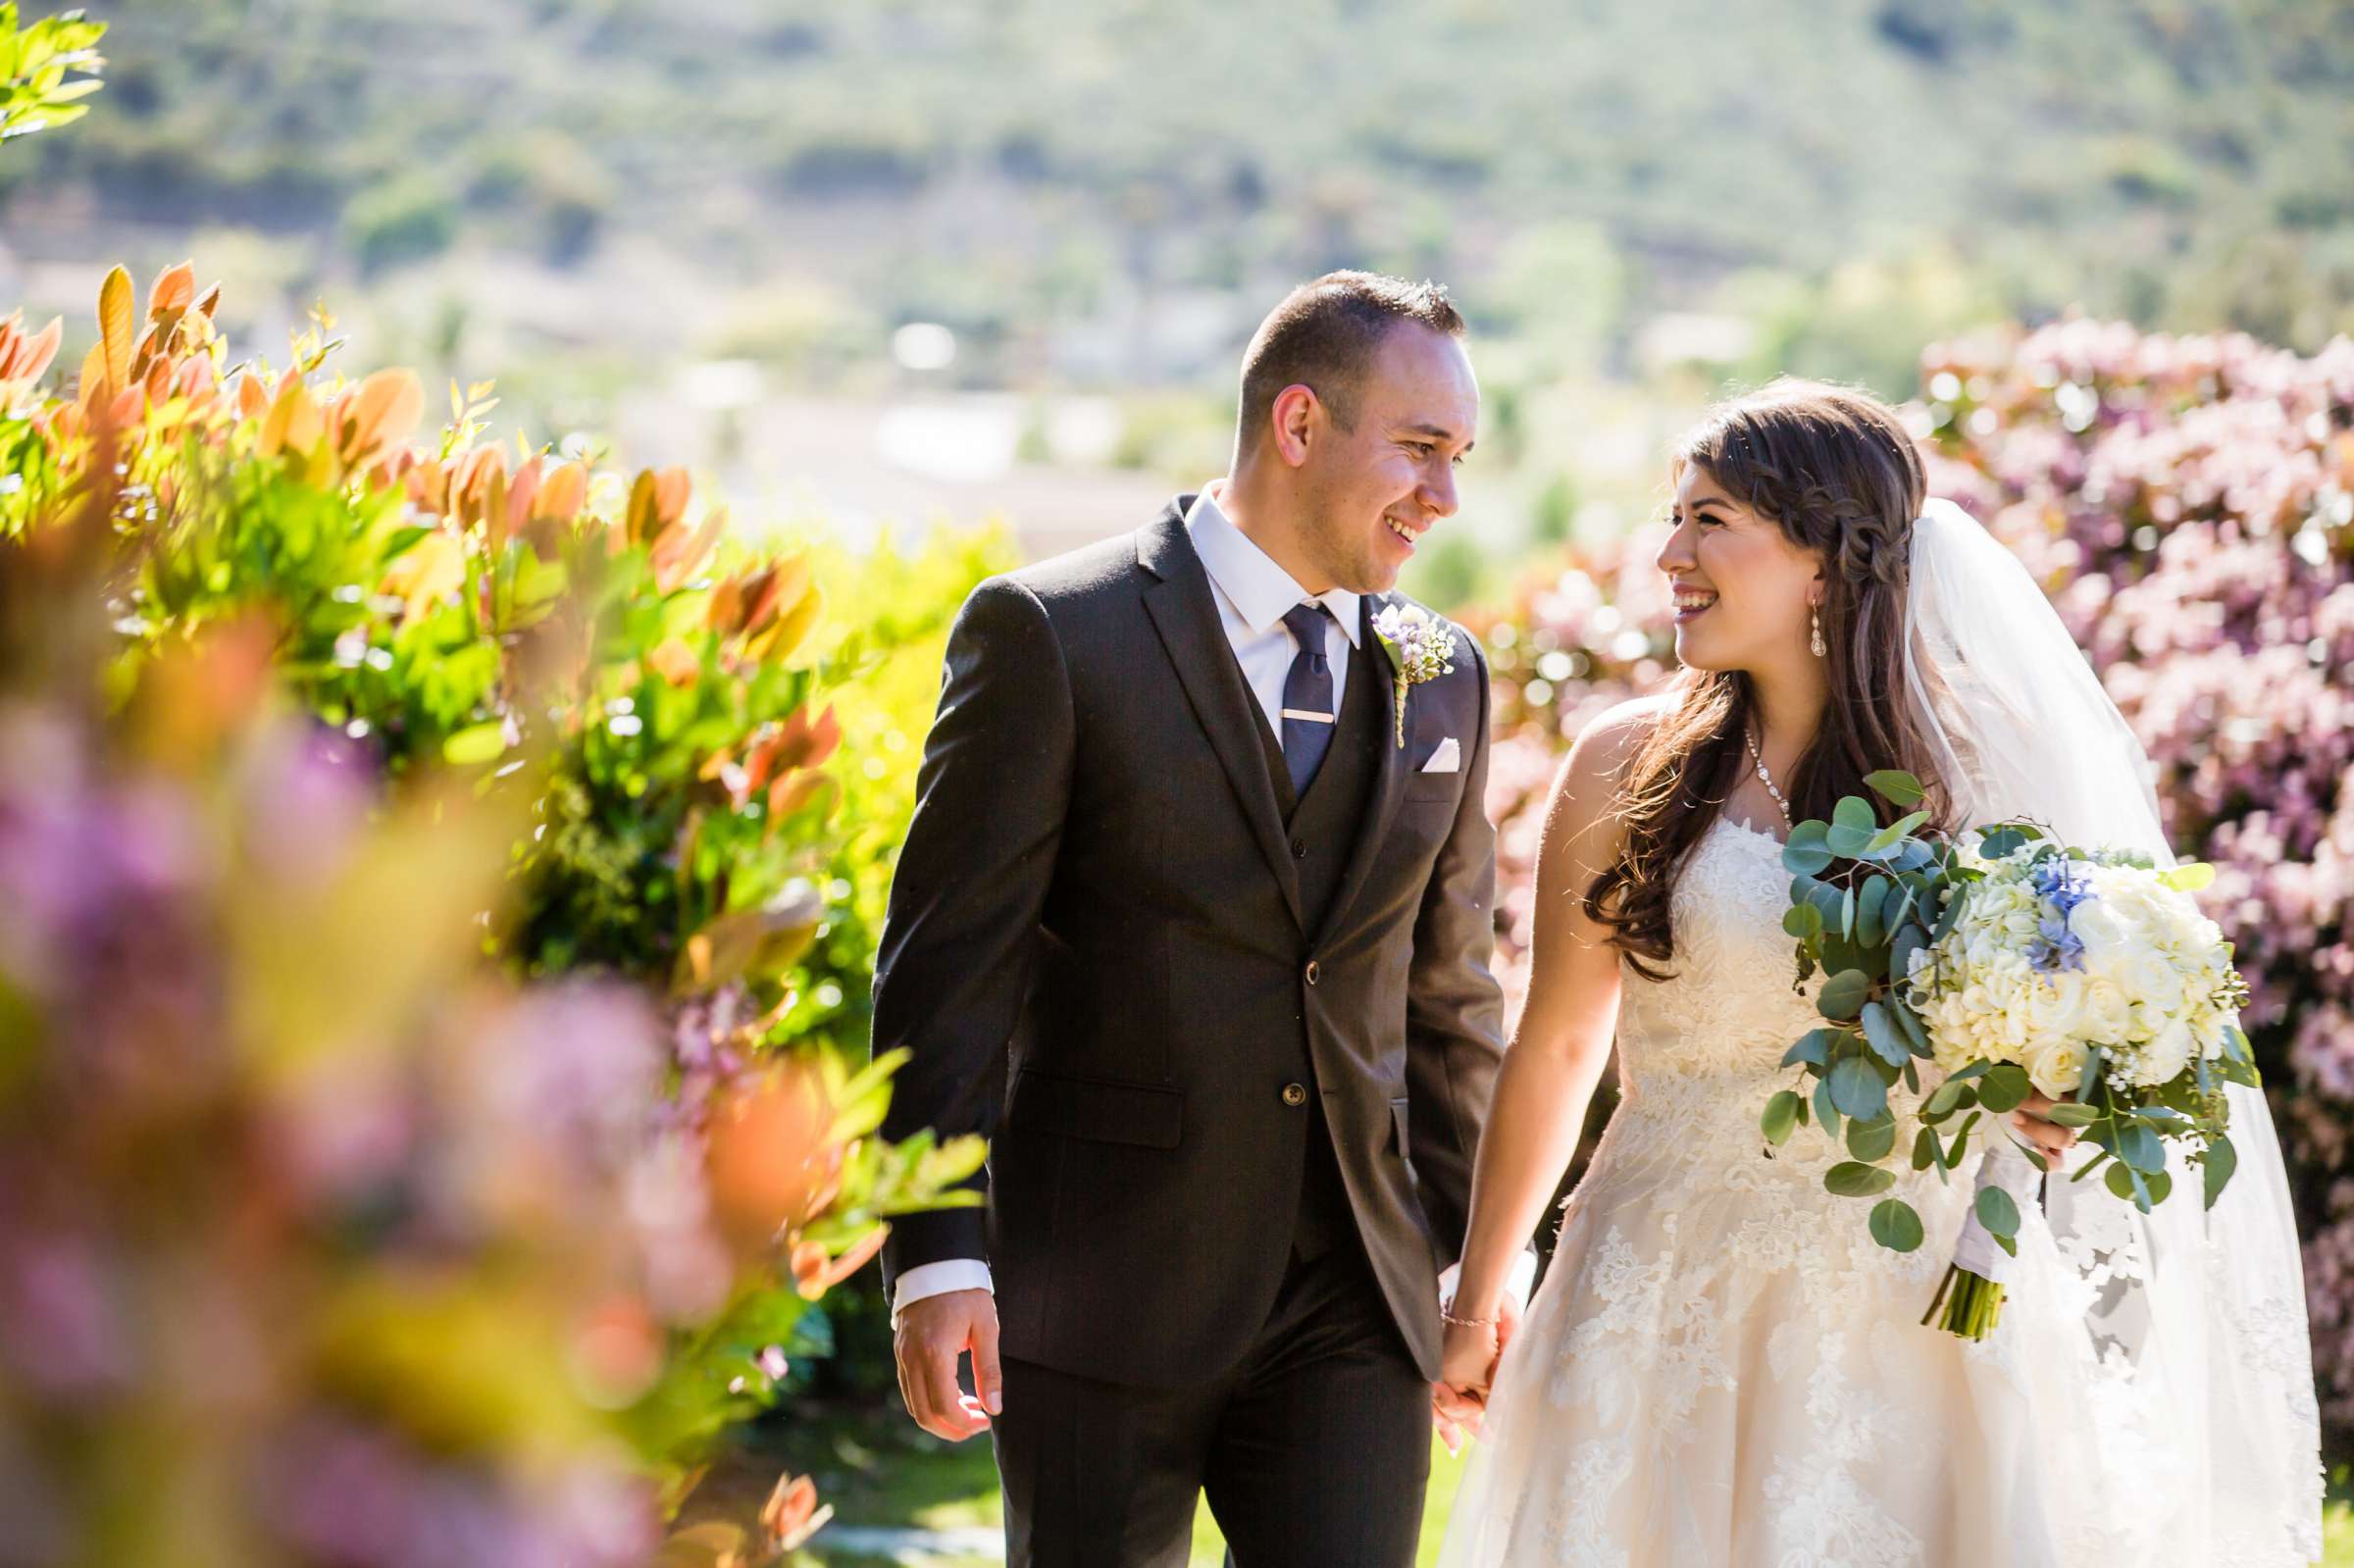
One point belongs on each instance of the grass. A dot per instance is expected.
(876, 1469)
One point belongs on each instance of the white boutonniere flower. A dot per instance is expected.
(1420, 646)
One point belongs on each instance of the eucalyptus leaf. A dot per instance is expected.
(1847, 841)
(1853, 811)
(1884, 1037)
(1896, 786)
(2067, 1113)
(1928, 1149)
(1890, 836)
(1826, 1115)
(2006, 1087)
(1780, 1119)
(1853, 1179)
(2140, 1149)
(1996, 1211)
(1857, 1088)
(1871, 904)
(1872, 1140)
(2220, 1161)
(1895, 1226)
(1803, 922)
(1806, 851)
(1814, 1046)
(1842, 995)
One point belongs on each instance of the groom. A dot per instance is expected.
(1197, 924)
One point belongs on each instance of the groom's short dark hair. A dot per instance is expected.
(1324, 336)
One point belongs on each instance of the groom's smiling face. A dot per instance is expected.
(1370, 493)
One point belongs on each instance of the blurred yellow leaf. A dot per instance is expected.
(427, 571)
(386, 410)
(116, 327)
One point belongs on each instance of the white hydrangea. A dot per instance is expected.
(2052, 958)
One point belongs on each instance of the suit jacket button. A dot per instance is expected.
(1299, 849)
(1312, 972)
(1294, 1094)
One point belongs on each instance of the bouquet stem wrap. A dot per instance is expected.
(1972, 1297)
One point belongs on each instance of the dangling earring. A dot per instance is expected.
(1814, 642)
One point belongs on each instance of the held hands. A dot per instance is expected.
(932, 1333)
(1467, 1370)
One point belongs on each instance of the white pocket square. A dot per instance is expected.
(1446, 759)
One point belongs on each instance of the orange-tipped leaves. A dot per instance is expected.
(561, 493)
(679, 549)
(253, 399)
(383, 414)
(295, 423)
(174, 290)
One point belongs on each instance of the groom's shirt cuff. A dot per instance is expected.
(938, 1278)
(1515, 1283)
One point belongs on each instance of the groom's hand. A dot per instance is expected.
(932, 1333)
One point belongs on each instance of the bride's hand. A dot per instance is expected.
(2049, 1139)
(1466, 1368)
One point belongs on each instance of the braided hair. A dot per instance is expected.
(1837, 472)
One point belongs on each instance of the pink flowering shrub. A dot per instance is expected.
(2188, 502)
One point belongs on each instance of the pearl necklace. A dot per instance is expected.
(1767, 779)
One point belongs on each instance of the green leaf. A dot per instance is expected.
(2067, 1113)
(1997, 1212)
(1856, 1088)
(2189, 878)
(1826, 1115)
(1803, 922)
(1896, 786)
(1870, 904)
(1814, 1046)
(1888, 837)
(1895, 1226)
(1848, 842)
(2006, 1087)
(1881, 1033)
(2121, 1181)
(1949, 1096)
(1842, 995)
(1871, 1139)
(2221, 1160)
(1852, 1178)
(1781, 1116)
(1853, 811)
(1928, 1149)
(1805, 852)
(2140, 1149)
(477, 743)
(1915, 1032)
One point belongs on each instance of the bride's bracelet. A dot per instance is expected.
(1448, 1317)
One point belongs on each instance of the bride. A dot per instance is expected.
(1723, 1367)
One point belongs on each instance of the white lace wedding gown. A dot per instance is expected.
(1722, 1370)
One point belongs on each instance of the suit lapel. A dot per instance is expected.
(1388, 784)
(1186, 617)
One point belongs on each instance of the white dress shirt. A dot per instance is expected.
(1252, 594)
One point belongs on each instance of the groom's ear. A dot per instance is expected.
(1297, 417)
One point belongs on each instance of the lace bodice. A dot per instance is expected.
(1698, 1053)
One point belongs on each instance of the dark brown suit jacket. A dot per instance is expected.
(1094, 951)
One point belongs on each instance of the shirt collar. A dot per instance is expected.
(1259, 590)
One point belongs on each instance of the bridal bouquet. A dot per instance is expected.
(2002, 967)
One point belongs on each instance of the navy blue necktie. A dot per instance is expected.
(1308, 713)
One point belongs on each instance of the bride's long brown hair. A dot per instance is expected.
(1836, 470)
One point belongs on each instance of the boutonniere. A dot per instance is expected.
(1420, 646)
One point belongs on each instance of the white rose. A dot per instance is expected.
(2107, 1012)
(2056, 1005)
(2153, 981)
(2096, 924)
(2057, 1066)
(2165, 1056)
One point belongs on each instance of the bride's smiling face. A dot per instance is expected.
(1743, 588)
